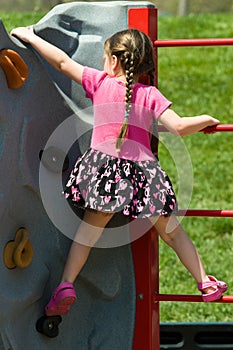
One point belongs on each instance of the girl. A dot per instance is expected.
(120, 157)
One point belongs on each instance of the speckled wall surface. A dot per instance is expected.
(103, 316)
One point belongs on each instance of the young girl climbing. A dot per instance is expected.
(120, 156)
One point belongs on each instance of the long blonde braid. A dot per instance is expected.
(129, 72)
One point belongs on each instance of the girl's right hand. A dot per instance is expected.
(23, 33)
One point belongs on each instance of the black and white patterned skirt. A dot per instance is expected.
(105, 183)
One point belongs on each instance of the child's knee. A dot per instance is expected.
(167, 224)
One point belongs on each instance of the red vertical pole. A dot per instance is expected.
(147, 325)
(145, 250)
(146, 20)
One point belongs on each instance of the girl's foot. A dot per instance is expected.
(62, 299)
(212, 289)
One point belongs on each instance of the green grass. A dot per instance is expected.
(198, 81)
(12, 20)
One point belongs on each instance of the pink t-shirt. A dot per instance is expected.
(107, 95)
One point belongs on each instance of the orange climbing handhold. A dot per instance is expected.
(18, 252)
(14, 67)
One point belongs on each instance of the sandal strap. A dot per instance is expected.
(212, 283)
(208, 284)
(62, 286)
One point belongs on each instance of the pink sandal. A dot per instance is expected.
(221, 287)
(62, 299)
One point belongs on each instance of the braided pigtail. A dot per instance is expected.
(129, 74)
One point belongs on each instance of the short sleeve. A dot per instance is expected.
(158, 102)
(91, 79)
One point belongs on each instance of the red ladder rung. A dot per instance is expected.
(217, 128)
(189, 298)
(206, 212)
(194, 42)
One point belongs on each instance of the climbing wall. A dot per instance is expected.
(34, 101)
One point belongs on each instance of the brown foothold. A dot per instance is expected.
(18, 252)
(14, 67)
(8, 255)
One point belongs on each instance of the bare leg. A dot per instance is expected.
(87, 235)
(173, 234)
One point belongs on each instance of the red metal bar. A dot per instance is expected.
(145, 19)
(189, 298)
(146, 330)
(206, 212)
(145, 250)
(219, 127)
(194, 42)
(209, 129)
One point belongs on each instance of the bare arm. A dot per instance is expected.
(52, 54)
(186, 125)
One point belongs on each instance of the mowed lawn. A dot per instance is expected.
(198, 80)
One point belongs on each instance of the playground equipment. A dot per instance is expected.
(120, 311)
(104, 317)
(146, 251)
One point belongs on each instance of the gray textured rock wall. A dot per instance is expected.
(103, 317)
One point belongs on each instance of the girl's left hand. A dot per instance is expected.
(210, 130)
(23, 33)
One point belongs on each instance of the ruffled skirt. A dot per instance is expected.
(105, 183)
